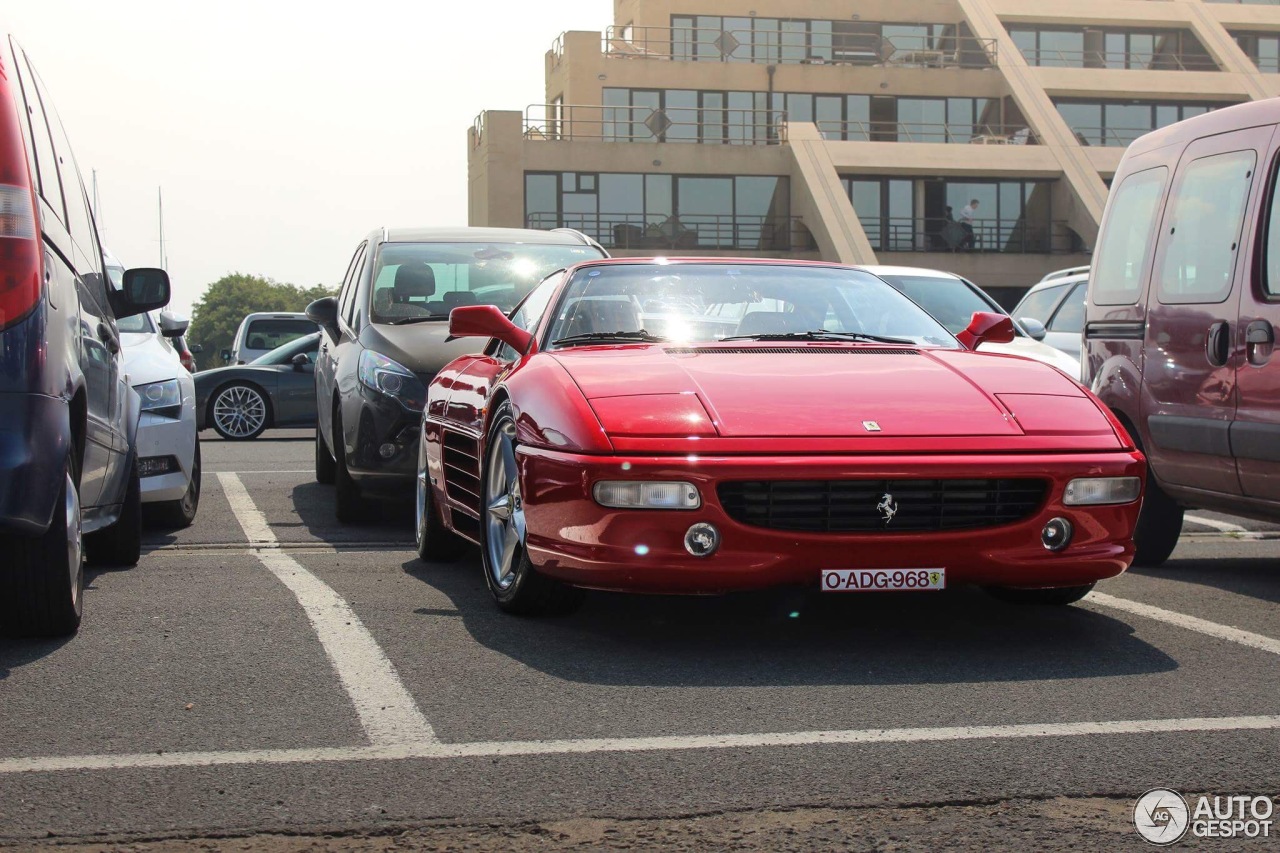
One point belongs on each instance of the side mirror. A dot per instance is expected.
(1033, 327)
(173, 325)
(987, 327)
(196, 349)
(301, 362)
(487, 321)
(143, 289)
(226, 356)
(324, 313)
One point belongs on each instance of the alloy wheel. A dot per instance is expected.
(239, 411)
(504, 524)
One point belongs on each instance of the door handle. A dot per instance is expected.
(1217, 343)
(108, 338)
(1260, 341)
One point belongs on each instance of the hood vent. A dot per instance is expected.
(768, 350)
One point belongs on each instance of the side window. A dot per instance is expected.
(347, 296)
(1039, 305)
(46, 164)
(79, 220)
(361, 290)
(1070, 316)
(1202, 231)
(1125, 243)
(530, 311)
(1271, 259)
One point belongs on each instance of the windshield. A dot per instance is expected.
(697, 303)
(272, 333)
(284, 354)
(428, 280)
(951, 301)
(137, 324)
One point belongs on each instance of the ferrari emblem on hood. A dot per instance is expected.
(871, 426)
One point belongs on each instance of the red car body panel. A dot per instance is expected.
(793, 412)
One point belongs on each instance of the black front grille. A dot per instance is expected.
(776, 350)
(859, 506)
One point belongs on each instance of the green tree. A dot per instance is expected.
(216, 316)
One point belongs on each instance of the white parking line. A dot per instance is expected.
(290, 471)
(1191, 623)
(1223, 526)
(486, 749)
(386, 710)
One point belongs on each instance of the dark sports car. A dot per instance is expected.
(703, 426)
(276, 390)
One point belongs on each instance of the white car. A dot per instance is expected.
(952, 301)
(1058, 304)
(262, 332)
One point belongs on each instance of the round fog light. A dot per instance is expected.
(702, 540)
(1056, 534)
(387, 450)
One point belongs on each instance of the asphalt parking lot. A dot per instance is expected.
(269, 671)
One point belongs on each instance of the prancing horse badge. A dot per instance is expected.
(871, 426)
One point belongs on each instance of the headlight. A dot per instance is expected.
(630, 494)
(163, 398)
(1093, 491)
(381, 374)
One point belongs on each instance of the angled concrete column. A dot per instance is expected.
(1223, 48)
(1089, 193)
(818, 198)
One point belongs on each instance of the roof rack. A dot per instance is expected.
(581, 236)
(1064, 273)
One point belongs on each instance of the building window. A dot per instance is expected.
(641, 211)
(1151, 50)
(1121, 122)
(925, 215)
(1262, 48)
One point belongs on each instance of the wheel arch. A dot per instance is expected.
(257, 386)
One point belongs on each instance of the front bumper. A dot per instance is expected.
(382, 421)
(35, 438)
(161, 436)
(574, 539)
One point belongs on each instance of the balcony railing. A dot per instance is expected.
(717, 126)
(688, 232)
(1109, 136)
(905, 131)
(1016, 236)
(1132, 61)
(700, 44)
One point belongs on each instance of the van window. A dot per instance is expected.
(1125, 241)
(1271, 276)
(50, 186)
(269, 334)
(1203, 228)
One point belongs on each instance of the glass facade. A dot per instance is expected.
(930, 215)
(648, 211)
(1262, 48)
(1063, 47)
(1121, 122)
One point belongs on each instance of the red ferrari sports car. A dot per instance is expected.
(709, 425)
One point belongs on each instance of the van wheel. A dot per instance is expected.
(1159, 526)
(120, 545)
(42, 585)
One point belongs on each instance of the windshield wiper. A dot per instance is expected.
(819, 335)
(640, 336)
(404, 321)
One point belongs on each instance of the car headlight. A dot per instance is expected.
(1095, 491)
(162, 398)
(381, 374)
(635, 494)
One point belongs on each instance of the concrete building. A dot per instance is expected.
(862, 130)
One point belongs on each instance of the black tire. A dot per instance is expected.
(436, 543)
(42, 583)
(1159, 526)
(326, 468)
(120, 545)
(347, 504)
(253, 396)
(529, 592)
(1057, 596)
(182, 512)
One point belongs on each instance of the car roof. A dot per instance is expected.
(1056, 282)
(457, 234)
(918, 272)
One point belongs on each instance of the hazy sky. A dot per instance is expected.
(281, 132)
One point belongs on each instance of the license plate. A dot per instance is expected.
(883, 580)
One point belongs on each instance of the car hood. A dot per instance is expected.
(810, 391)
(146, 359)
(421, 347)
(1031, 348)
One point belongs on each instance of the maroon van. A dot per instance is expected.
(1183, 303)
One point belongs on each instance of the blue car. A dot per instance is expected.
(69, 486)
